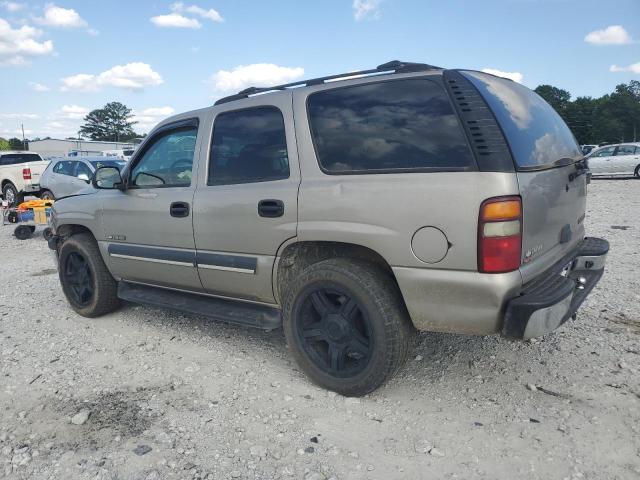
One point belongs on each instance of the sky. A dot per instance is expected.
(60, 60)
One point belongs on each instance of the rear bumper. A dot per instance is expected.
(551, 299)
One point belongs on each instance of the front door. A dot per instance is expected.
(148, 226)
(246, 205)
(600, 161)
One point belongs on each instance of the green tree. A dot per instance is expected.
(556, 97)
(16, 144)
(4, 144)
(110, 123)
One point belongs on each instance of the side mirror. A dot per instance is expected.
(84, 177)
(107, 178)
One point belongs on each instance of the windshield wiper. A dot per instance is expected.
(581, 169)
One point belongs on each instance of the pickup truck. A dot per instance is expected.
(20, 175)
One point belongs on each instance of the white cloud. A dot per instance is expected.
(363, 9)
(633, 68)
(55, 16)
(132, 76)
(14, 116)
(18, 44)
(254, 75)
(38, 87)
(149, 117)
(612, 35)
(175, 20)
(209, 14)
(515, 76)
(12, 7)
(73, 112)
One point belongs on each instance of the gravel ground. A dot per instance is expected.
(150, 394)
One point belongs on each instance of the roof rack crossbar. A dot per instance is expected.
(395, 66)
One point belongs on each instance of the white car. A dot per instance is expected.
(20, 175)
(69, 175)
(619, 159)
(124, 154)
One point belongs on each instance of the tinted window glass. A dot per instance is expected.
(248, 146)
(387, 126)
(64, 168)
(538, 137)
(16, 158)
(168, 161)
(83, 170)
(625, 150)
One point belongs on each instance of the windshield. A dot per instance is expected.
(109, 163)
(537, 135)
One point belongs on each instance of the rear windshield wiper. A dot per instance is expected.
(581, 169)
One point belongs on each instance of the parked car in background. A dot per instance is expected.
(620, 159)
(586, 149)
(68, 176)
(412, 198)
(20, 175)
(124, 154)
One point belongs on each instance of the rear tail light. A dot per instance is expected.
(26, 174)
(500, 235)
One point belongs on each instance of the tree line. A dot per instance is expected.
(612, 118)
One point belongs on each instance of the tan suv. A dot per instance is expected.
(349, 211)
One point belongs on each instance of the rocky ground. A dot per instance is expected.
(147, 394)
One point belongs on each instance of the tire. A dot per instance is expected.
(10, 194)
(23, 232)
(89, 287)
(364, 335)
(636, 172)
(47, 195)
(47, 234)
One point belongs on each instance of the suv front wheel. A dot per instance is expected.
(346, 325)
(86, 282)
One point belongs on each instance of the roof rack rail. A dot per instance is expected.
(394, 66)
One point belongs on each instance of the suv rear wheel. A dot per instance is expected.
(346, 325)
(86, 282)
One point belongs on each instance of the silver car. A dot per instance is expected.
(68, 176)
(612, 160)
(351, 212)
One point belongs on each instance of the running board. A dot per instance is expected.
(238, 313)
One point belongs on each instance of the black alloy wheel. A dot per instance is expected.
(77, 276)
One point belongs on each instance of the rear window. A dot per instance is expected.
(16, 158)
(391, 126)
(538, 137)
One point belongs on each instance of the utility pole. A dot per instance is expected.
(24, 143)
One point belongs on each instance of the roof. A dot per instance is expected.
(69, 140)
(6, 152)
(394, 66)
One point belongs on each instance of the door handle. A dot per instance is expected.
(179, 209)
(271, 208)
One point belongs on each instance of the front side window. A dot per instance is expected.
(248, 146)
(83, 171)
(604, 152)
(64, 168)
(387, 126)
(168, 161)
(625, 150)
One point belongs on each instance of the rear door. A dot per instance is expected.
(546, 156)
(246, 203)
(625, 159)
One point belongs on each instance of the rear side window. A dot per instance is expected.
(391, 126)
(537, 135)
(626, 150)
(248, 146)
(16, 158)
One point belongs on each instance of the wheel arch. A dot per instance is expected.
(295, 257)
